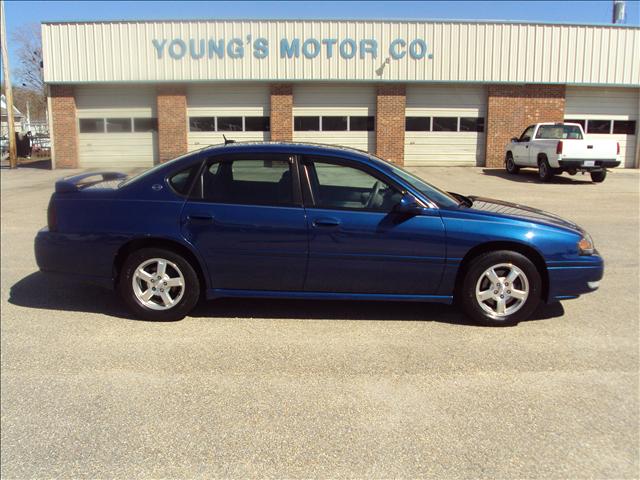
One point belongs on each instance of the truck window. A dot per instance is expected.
(527, 134)
(559, 132)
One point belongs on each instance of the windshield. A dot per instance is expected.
(559, 132)
(153, 169)
(440, 197)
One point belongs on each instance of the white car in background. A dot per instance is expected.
(554, 148)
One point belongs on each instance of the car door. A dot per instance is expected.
(521, 149)
(357, 244)
(245, 217)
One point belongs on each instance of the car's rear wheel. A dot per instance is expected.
(500, 288)
(510, 164)
(598, 177)
(158, 284)
(545, 172)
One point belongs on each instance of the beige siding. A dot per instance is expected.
(226, 100)
(445, 148)
(134, 149)
(336, 100)
(461, 51)
(607, 104)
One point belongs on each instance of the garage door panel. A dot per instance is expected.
(118, 150)
(365, 141)
(592, 103)
(445, 148)
(198, 140)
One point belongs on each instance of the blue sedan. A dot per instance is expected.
(286, 220)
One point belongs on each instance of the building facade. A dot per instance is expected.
(418, 93)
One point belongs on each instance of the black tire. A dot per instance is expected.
(598, 177)
(176, 265)
(466, 295)
(509, 165)
(545, 172)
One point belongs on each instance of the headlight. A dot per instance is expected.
(585, 245)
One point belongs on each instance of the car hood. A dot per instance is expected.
(522, 212)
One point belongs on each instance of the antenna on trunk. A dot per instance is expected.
(227, 141)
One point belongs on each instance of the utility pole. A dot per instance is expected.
(13, 160)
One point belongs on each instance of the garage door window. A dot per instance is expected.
(91, 125)
(418, 124)
(334, 124)
(624, 127)
(256, 124)
(445, 124)
(306, 124)
(202, 124)
(229, 124)
(471, 124)
(118, 125)
(145, 124)
(599, 126)
(361, 124)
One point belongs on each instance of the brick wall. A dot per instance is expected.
(172, 121)
(282, 112)
(391, 101)
(64, 126)
(511, 108)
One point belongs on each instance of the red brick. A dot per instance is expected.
(282, 112)
(172, 121)
(512, 108)
(64, 126)
(391, 101)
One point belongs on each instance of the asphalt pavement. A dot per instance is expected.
(275, 389)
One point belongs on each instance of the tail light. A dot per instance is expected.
(617, 148)
(559, 147)
(52, 218)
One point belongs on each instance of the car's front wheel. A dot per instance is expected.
(500, 288)
(510, 164)
(158, 284)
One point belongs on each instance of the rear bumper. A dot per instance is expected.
(572, 279)
(579, 164)
(84, 257)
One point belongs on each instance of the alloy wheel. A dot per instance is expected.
(158, 284)
(502, 290)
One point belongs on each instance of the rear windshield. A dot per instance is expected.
(559, 132)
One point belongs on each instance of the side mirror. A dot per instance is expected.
(514, 140)
(408, 205)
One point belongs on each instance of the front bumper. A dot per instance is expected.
(584, 164)
(572, 279)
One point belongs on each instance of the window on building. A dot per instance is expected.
(362, 124)
(229, 124)
(118, 125)
(334, 124)
(471, 124)
(145, 124)
(91, 125)
(261, 180)
(624, 127)
(418, 124)
(256, 124)
(445, 124)
(306, 124)
(599, 126)
(582, 123)
(202, 124)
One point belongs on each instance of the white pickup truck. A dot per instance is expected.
(561, 147)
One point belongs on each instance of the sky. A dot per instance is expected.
(19, 13)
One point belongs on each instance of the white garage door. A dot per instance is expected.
(607, 113)
(117, 126)
(239, 112)
(336, 115)
(445, 125)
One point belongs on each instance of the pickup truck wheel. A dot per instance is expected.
(545, 172)
(500, 288)
(598, 177)
(158, 285)
(510, 165)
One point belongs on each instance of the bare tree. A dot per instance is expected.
(27, 43)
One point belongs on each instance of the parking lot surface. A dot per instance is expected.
(256, 388)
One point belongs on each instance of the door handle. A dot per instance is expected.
(199, 218)
(326, 222)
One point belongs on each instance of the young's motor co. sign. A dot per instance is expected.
(288, 48)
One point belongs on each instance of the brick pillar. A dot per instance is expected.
(64, 126)
(512, 108)
(391, 101)
(282, 112)
(172, 121)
